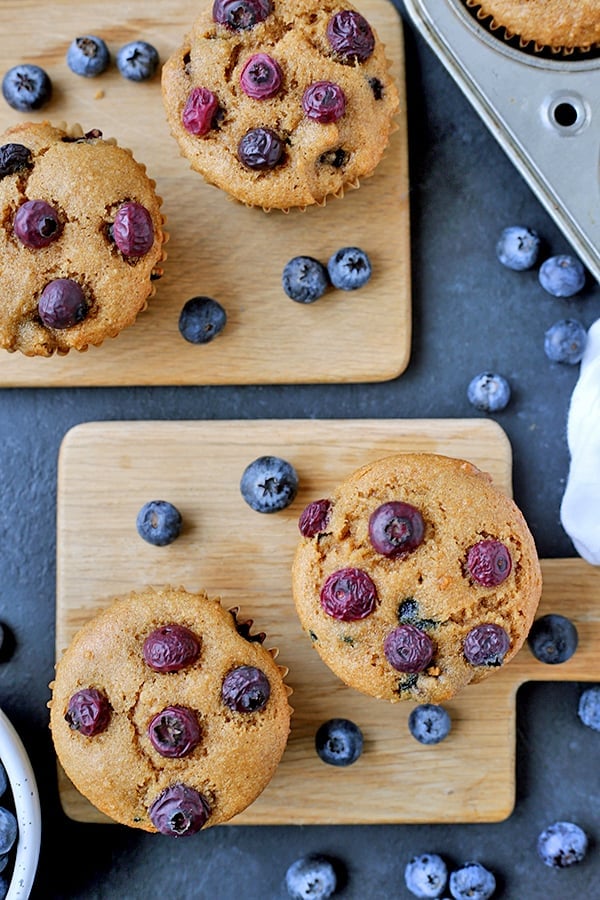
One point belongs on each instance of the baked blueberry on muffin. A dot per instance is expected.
(167, 713)
(560, 25)
(281, 103)
(415, 578)
(81, 239)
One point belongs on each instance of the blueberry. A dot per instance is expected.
(88, 56)
(348, 594)
(311, 878)
(314, 518)
(588, 709)
(488, 392)
(429, 724)
(14, 158)
(472, 882)
(159, 522)
(261, 76)
(426, 875)
(324, 102)
(408, 649)
(246, 689)
(201, 319)
(62, 304)
(396, 529)
(486, 645)
(269, 484)
(349, 268)
(489, 562)
(4, 860)
(565, 341)
(88, 712)
(36, 224)
(137, 61)
(174, 732)
(241, 15)
(562, 844)
(562, 276)
(3, 780)
(350, 36)
(3, 887)
(552, 639)
(199, 111)
(179, 811)
(8, 830)
(339, 742)
(305, 279)
(26, 87)
(260, 149)
(518, 248)
(170, 648)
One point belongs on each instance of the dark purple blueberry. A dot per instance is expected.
(518, 248)
(133, 229)
(88, 56)
(562, 844)
(472, 882)
(240, 15)
(339, 742)
(314, 517)
(349, 594)
(14, 158)
(396, 529)
(62, 304)
(350, 35)
(179, 811)
(565, 342)
(159, 522)
(588, 708)
(137, 60)
(429, 723)
(269, 484)
(88, 712)
(408, 649)
(36, 224)
(261, 76)
(26, 87)
(174, 732)
(261, 148)
(486, 645)
(171, 648)
(8, 833)
(245, 689)
(426, 876)
(562, 276)
(553, 639)
(201, 319)
(311, 877)
(199, 111)
(304, 279)
(489, 562)
(324, 102)
(349, 268)
(488, 392)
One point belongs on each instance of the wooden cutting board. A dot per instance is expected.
(107, 470)
(218, 247)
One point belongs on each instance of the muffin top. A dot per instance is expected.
(568, 24)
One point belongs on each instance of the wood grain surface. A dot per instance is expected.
(217, 246)
(107, 470)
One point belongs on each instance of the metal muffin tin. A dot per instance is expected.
(545, 113)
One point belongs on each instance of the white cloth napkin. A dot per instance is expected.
(580, 507)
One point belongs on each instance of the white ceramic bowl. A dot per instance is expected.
(27, 807)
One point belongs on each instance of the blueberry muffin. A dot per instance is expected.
(281, 103)
(167, 713)
(81, 239)
(561, 25)
(415, 578)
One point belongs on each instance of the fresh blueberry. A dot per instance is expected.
(3, 780)
(137, 61)
(305, 279)
(565, 341)
(588, 709)
(159, 522)
(426, 875)
(429, 724)
(311, 877)
(8, 830)
(349, 268)
(201, 319)
(562, 276)
(488, 392)
(553, 639)
(88, 56)
(26, 87)
(472, 882)
(562, 844)
(518, 248)
(269, 484)
(339, 742)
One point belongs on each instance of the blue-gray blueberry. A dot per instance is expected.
(518, 248)
(159, 522)
(426, 876)
(311, 877)
(269, 484)
(304, 279)
(349, 268)
(201, 319)
(429, 723)
(562, 844)
(472, 882)
(488, 392)
(137, 60)
(552, 639)
(564, 342)
(588, 708)
(26, 87)
(339, 742)
(562, 276)
(88, 56)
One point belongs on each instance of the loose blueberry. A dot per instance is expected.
(472, 882)
(174, 732)
(562, 276)
(339, 742)
(88, 712)
(88, 56)
(241, 15)
(179, 811)
(312, 877)
(62, 304)
(199, 111)
(349, 268)
(588, 708)
(261, 77)
(201, 319)
(159, 522)
(350, 36)
(429, 724)
(26, 87)
(305, 279)
(489, 392)
(396, 529)
(565, 341)
(3, 780)
(486, 645)
(133, 229)
(562, 844)
(426, 876)
(137, 60)
(36, 224)
(3, 887)
(408, 649)
(8, 830)
(245, 689)
(261, 148)
(314, 517)
(324, 102)
(14, 158)
(553, 639)
(269, 484)
(348, 595)
(489, 562)
(518, 248)
(171, 648)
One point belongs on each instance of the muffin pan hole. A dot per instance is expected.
(566, 113)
